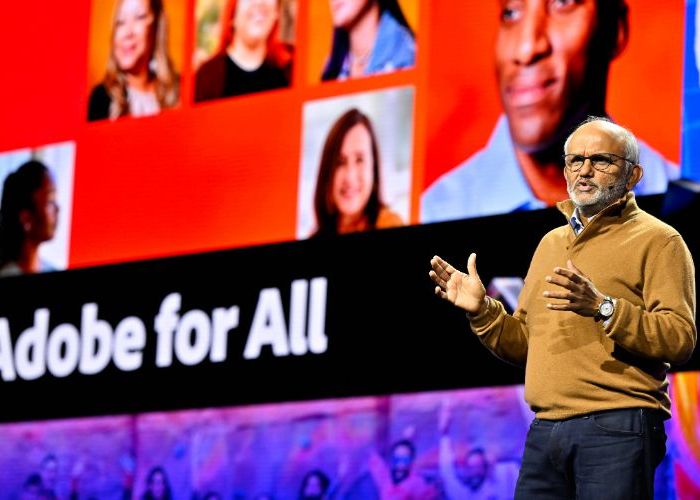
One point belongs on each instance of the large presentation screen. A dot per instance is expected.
(217, 219)
(179, 126)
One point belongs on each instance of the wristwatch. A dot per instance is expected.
(606, 309)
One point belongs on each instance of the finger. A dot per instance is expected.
(471, 266)
(440, 293)
(561, 281)
(437, 260)
(576, 278)
(442, 267)
(437, 266)
(437, 279)
(560, 295)
(561, 307)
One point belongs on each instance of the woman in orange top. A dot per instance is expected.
(348, 190)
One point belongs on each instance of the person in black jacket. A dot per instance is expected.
(250, 56)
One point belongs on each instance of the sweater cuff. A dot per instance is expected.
(488, 313)
(614, 326)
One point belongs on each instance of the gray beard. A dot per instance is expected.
(606, 197)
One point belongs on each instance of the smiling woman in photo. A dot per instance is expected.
(348, 191)
(140, 79)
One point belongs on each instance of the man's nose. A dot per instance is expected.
(586, 169)
(533, 40)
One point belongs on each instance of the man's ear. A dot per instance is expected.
(635, 176)
(623, 30)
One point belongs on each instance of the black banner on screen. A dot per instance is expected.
(322, 318)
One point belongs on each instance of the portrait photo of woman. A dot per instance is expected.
(347, 197)
(356, 163)
(140, 78)
(369, 37)
(36, 189)
(249, 55)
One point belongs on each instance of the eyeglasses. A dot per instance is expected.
(599, 161)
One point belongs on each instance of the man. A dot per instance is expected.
(398, 481)
(477, 478)
(32, 488)
(608, 303)
(552, 62)
(315, 485)
(49, 476)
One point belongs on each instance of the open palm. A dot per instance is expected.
(465, 290)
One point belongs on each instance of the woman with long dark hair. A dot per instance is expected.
(369, 37)
(348, 189)
(157, 485)
(140, 79)
(28, 218)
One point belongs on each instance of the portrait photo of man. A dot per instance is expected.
(552, 63)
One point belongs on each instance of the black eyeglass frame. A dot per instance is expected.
(605, 156)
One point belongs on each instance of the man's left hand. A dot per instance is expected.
(579, 295)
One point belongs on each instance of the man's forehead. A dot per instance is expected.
(598, 135)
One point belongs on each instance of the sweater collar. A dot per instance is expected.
(625, 206)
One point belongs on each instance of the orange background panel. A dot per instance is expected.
(42, 86)
(461, 86)
(221, 176)
(645, 91)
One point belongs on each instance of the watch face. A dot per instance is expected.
(606, 309)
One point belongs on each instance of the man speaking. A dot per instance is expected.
(608, 303)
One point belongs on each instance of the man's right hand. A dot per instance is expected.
(464, 290)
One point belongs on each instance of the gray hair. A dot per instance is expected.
(630, 141)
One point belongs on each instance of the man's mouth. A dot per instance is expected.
(528, 91)
(585, 186)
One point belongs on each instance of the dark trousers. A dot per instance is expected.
(603, 456)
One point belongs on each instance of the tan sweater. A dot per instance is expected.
(576, 365)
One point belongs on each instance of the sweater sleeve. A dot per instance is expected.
(504, 335)
(664, 329)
